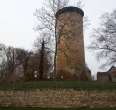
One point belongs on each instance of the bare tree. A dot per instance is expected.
(2, 61)
(3, 71)
(14, 58)
(105, 39)
(44, 51)
(10, 53)
(43, 59)
(8, 65)
(47, 21)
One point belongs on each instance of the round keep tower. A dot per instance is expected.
(70, 59)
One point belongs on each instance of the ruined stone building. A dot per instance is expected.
(70, 59)
(103, 76)
(110, 75)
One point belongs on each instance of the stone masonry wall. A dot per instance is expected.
(58, 98)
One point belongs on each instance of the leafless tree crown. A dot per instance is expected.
(105, 39)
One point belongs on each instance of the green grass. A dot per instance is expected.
(78, 85)
(19, 108)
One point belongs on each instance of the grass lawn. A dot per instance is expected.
(78, 85)
(19, 108)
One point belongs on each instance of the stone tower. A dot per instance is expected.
(70, 60)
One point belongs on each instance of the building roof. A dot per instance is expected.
(112, 69)
(70, 9)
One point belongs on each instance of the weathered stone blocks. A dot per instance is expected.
(58, 98)
(70, 59)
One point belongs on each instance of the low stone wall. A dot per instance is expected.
(58, 98)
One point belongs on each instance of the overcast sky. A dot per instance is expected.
(17, 21)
